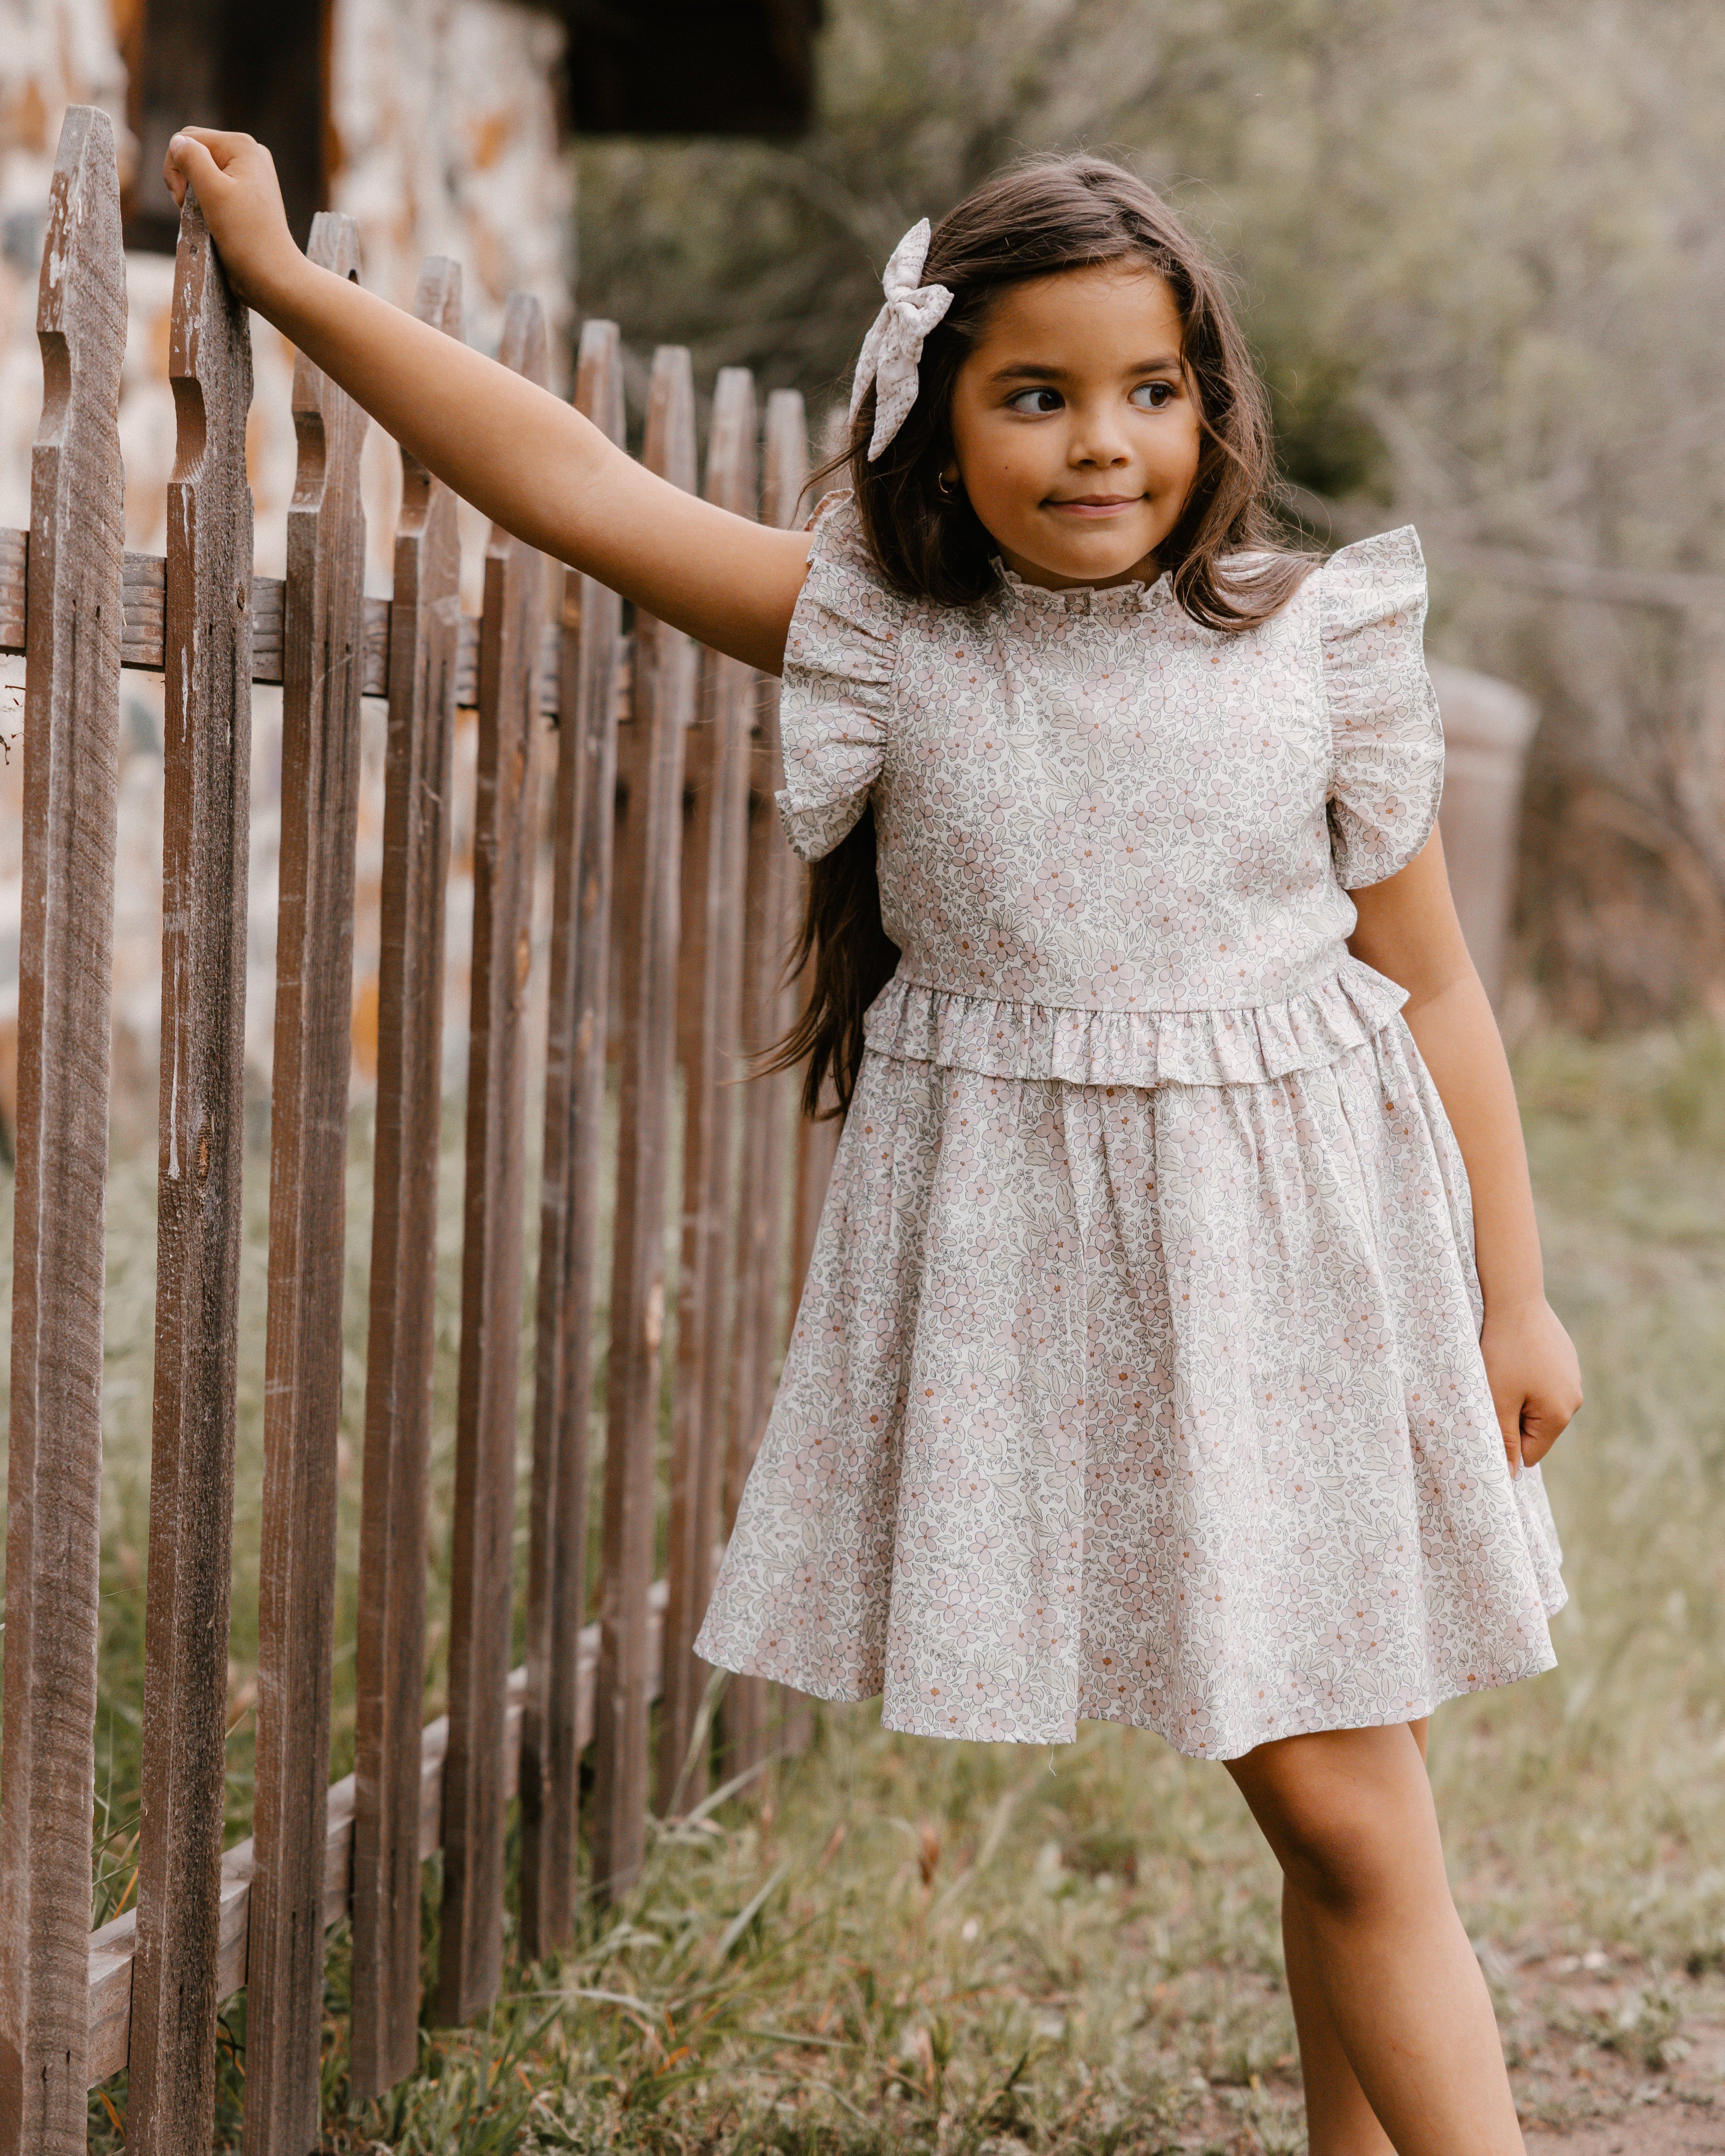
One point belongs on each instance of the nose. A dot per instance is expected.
(1099, 440)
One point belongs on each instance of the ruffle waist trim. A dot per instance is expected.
(1000, 1038)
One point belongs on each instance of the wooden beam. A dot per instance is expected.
(308, 1162)
(206, 834)
(112, 1950)
(775, 891)
(576, 1017)
(648, 878)
(482, 1562)
(65, 965)
(390, 1660)
(708, 1019)
(143, 599)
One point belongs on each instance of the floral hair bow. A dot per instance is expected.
(894, 346)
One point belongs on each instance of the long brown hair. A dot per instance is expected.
(1227, 568)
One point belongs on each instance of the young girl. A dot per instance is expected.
(1179, 1271)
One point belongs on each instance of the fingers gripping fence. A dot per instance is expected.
(675, 915)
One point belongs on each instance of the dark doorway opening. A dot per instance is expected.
(691, 67)
(261, 66)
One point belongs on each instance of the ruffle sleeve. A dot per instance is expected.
(840, 660)
(1386, 742)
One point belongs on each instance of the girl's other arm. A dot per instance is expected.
(1408, 929)
(530, 462)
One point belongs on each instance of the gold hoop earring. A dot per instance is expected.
(948, 487)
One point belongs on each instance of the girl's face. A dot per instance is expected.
(1075, 429)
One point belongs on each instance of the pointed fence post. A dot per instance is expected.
(390, 1673)
(750, 1705)
(206, 658)
(709, 1011)
(65, 964)
(569, 1205)
(648, 880)
(470, 1970)
(323, 650)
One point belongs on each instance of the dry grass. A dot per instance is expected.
(905, 1945)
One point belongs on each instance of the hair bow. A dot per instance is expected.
(894, 346)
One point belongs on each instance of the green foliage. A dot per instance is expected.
(1470, 240)
(1477, 252)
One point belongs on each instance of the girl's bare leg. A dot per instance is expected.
(1339, 2121)
(1398, 2042)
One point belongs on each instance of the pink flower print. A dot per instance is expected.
(1424, 1563)
(1133, 832)
(1033, 1328)
(1056, 895)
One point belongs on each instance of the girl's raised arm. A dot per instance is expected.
(528, 459)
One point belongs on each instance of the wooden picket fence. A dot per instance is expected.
(704, 890)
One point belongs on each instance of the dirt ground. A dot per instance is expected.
(1608, 2056)
(1614, 2060)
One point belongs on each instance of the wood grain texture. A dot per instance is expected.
(585, 821)
(143, 603)
(206, 830)
(390, 1672)
(755, 1715)
(648, 880)
(709, 1018)
(66, 954)
(470, 1966)
(113, 1948)
(322, 645)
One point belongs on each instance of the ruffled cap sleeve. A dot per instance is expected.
(1386, 741)
(840, 660)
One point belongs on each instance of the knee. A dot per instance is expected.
(1332, 1851)
(1344, 1840)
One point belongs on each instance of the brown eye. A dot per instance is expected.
(1154, 396)
(1035, 402)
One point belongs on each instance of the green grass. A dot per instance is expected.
(895, 1944)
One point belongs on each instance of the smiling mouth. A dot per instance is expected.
(1093, 504)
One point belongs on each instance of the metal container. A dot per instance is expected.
(1488, 728)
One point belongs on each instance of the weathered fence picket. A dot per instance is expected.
(143, 1991)
(390, 1670)
(709, 1005)
(483, 1568)
(584, 837)
(322, 645)
(65, 962)
(773, 888)
(205, 847)
(648, 878)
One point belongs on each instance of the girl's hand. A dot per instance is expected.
(234, 179)
(1535, 1377)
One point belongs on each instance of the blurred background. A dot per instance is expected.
(1481, 253)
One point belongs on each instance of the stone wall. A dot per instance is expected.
(446, 126)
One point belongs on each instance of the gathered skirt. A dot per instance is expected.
(1160, 1404)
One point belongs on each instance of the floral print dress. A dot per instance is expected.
(1138, 1372)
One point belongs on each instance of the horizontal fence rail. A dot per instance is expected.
(670, 879)
(112, 1949)
(143, 602)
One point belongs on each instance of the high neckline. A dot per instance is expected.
(1135, 597)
